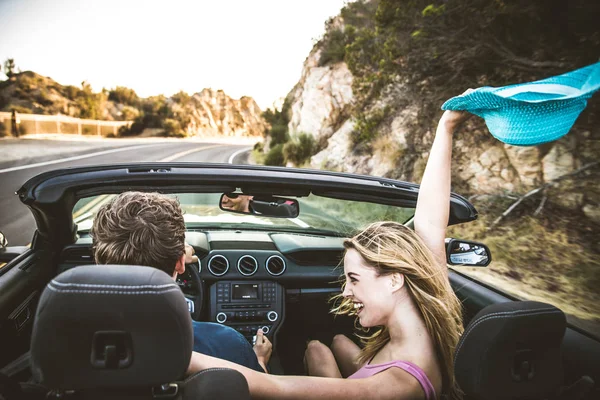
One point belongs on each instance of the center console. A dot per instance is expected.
(247, 305)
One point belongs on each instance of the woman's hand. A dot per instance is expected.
(452, 119)
(263, 349)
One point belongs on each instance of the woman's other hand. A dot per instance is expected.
(263, 349)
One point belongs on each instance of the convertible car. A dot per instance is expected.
(269, 243)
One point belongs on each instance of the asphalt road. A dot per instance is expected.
(16, 221)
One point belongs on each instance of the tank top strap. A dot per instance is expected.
(370, 370)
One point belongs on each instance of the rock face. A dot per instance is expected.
(320, 105)
(213, 113)
(207, 113)
(320, 98)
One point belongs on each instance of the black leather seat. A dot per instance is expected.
(512, 351)
(120, 331)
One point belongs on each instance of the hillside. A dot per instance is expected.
(207, 113)
(369, 99)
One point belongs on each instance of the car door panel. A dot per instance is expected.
(581, 353)
(20, 287)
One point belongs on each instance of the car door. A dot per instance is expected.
(581, 350)
(21, 282)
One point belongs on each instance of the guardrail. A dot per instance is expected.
(37, 123)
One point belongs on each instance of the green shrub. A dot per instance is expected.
(129, 113)
(275, 156)
(367, 124)
(299, 149)
(181, 97)
(172, 128)
(334, 47)
(71, 92)
(2, 129)
(124, 95)
(22, 130)
(279, 134)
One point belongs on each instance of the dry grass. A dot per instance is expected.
(387, 147)
(549, 260)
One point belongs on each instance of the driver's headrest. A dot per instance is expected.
(511, 351)
(110, 326)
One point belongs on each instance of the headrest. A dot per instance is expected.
(511, 351)
(110, 326)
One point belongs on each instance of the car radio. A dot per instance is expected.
(247, 306)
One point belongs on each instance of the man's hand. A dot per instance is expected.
(263, 349)
(190, 258)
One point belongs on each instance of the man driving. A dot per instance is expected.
(148, 229)
(236, 202)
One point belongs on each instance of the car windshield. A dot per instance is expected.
(319, 215)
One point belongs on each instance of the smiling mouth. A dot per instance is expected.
(358, 306)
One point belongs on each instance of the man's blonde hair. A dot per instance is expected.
(139, 228)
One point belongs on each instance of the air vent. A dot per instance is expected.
(329, 258)
(77, 255)
(275, 265)
(247, 265)
(218, 265)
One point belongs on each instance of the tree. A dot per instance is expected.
(9, 67)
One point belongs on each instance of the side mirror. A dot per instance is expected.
(3, 241)
(265, 206)
(467, 253)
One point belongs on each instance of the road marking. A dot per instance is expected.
(185, 153)
(92, 207)
(234, 155)
(100, 153)
(89, 206)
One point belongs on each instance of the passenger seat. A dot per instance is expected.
(512, 350)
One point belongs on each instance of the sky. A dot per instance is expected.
(245, 47)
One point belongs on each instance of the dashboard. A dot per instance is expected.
(249, 276)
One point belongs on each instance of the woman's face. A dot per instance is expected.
(372, 295)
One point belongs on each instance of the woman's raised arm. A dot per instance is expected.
(433, 204)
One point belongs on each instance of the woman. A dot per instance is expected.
(396, 280)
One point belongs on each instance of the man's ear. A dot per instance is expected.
(397, 281)
(179, 266)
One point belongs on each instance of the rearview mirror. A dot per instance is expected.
(265, 206)
(467, 253)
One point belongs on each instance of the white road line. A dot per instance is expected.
(100, 153)
(186, 152)
(234, 155)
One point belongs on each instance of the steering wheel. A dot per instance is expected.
(193, 288)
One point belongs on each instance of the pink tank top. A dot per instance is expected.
(372, 369)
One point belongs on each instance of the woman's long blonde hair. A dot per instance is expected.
(390, 247)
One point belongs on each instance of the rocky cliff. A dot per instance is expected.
(207, 113)
(320, 105)
(213, 113)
